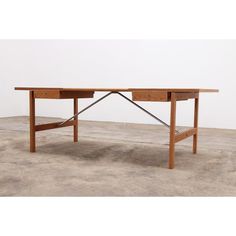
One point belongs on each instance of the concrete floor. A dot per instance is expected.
(113, 159)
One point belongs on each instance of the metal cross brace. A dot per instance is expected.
(108, 94)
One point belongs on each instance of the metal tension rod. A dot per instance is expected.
(100, 99)
(86, 108)
(149, 113)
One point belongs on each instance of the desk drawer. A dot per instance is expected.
(161, 96)
(57, 94)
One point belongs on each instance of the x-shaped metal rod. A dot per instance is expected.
(108, 94)
(86, 108)
(149, 113)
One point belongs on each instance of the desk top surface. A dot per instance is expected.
(180, 90)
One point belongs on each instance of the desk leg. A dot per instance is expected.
(195, 136)
(172, 131)
(32, 121)
(76, 120)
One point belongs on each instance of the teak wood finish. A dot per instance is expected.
(171, 95)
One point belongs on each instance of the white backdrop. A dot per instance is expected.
(121, 63)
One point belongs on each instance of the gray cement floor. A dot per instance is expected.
(113, 159)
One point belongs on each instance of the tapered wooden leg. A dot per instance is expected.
(32, 121)
(76, 119)
(195, 136)
(172, 131)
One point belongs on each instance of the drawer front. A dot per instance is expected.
(57, 94)
(47, 94)
(161, 96)
(76, 94)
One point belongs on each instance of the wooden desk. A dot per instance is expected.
(171, 95)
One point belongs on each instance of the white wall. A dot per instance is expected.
(121, 63)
